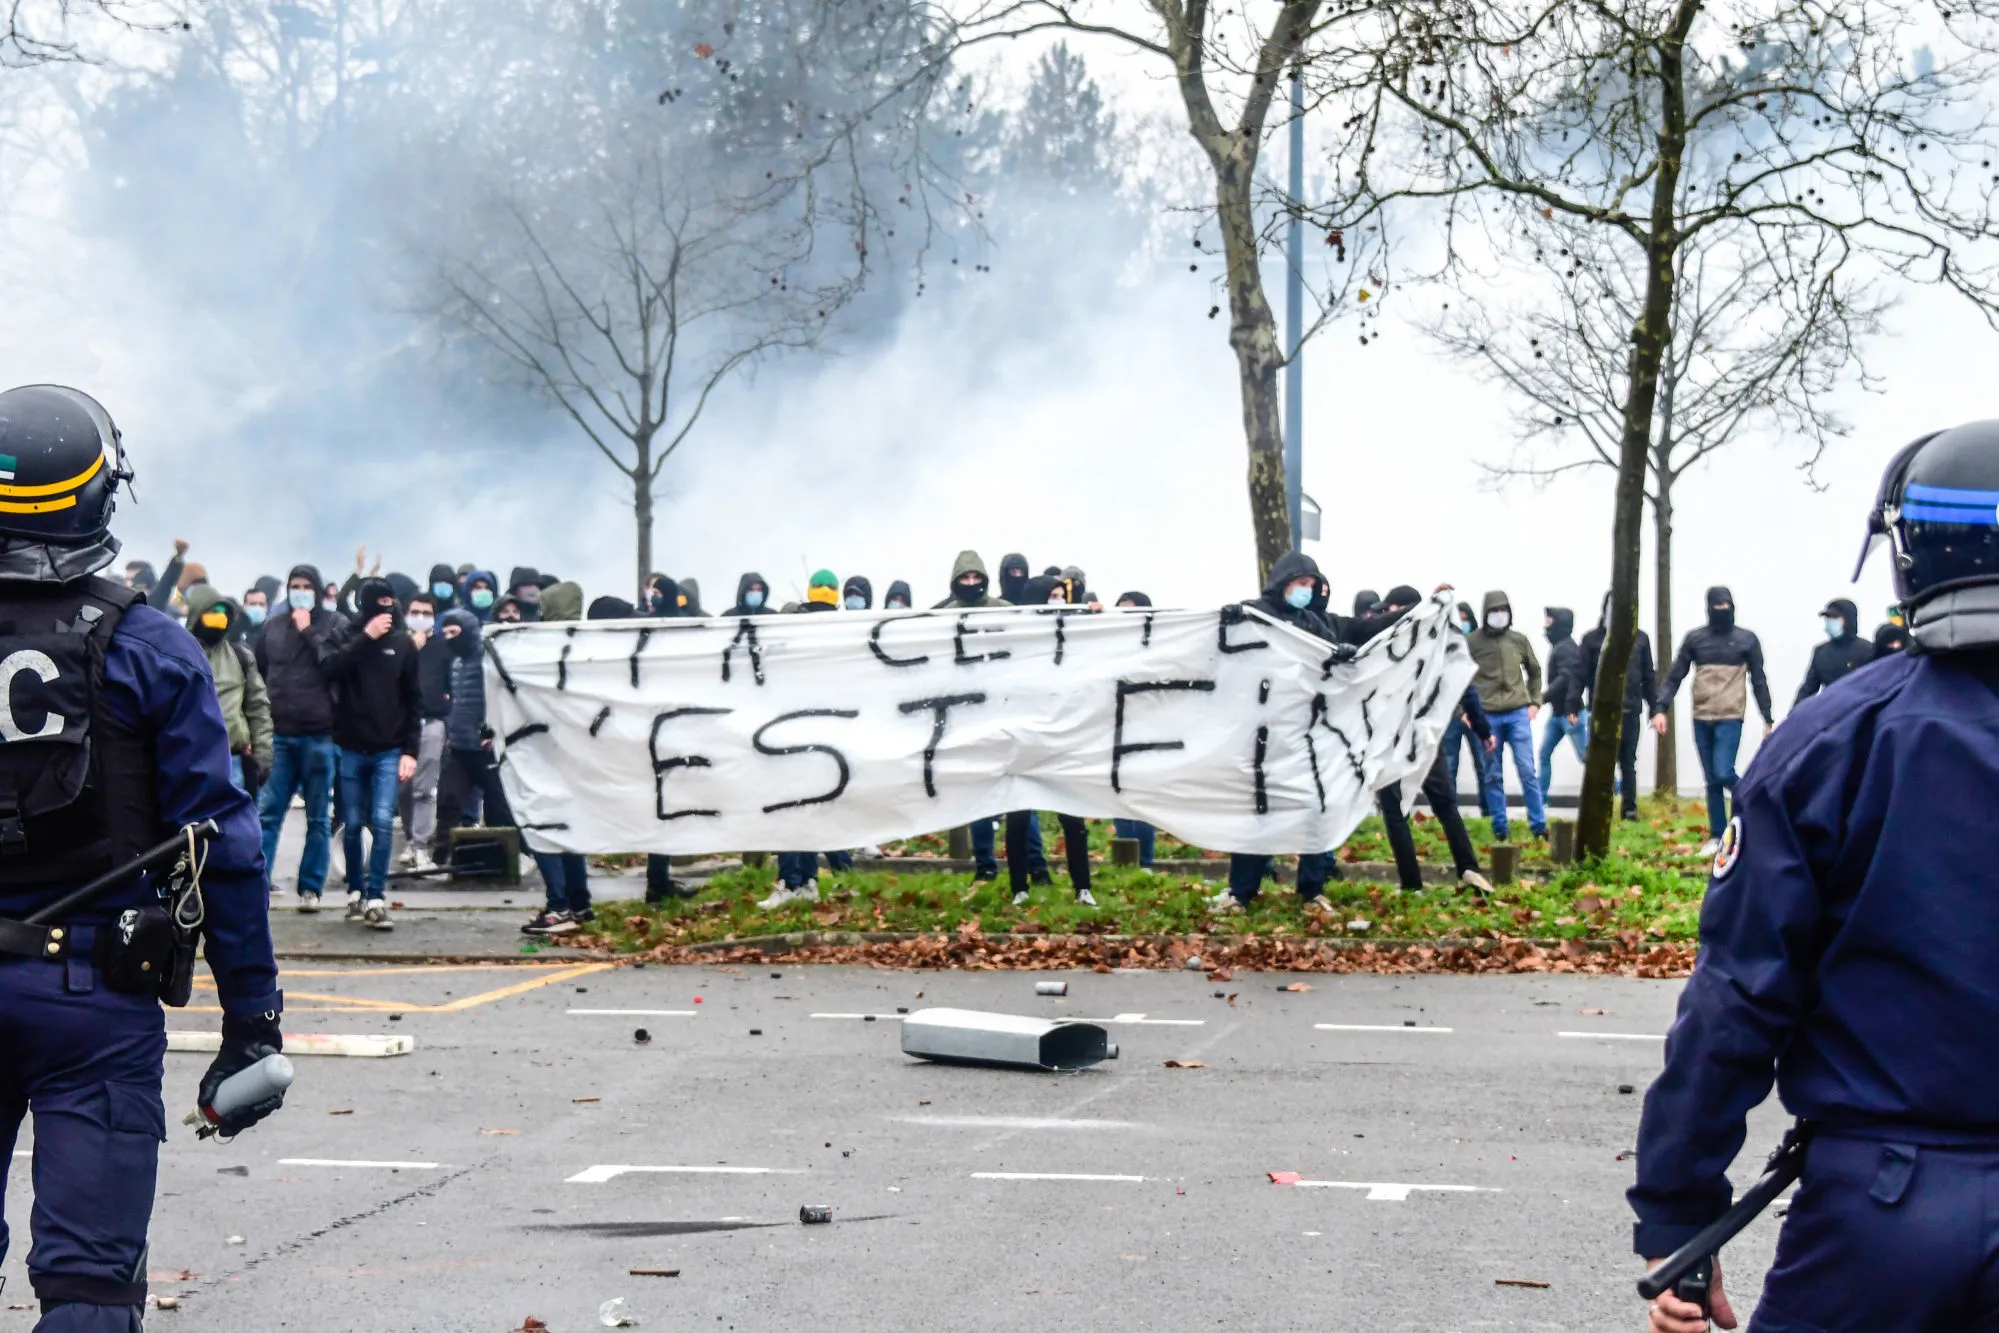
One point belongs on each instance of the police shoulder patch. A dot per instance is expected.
(1731, 848)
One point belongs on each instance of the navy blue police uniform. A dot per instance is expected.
(1850, 951)
(86, 1059)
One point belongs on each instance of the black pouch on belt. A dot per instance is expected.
(136, 954)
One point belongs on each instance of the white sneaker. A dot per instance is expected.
(420, 861)
(810, 893)
(407, 860)
(1020, 899)
(1084, 898)
(1471, 879)
(1711, 847)
(779, 897)
(1227, 904)
(377, 915)
(1318, 907)
(354, 909)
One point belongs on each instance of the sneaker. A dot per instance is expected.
(1474, 881)
(565, 923)
(421, 862)
(354, 907)
(407, 860)
(780, 896)
(985, 876)
(1227, 903)
(1711, 846)
(544, 923)
(1020, 899)
(810, 893)
(1084, 898)
(377, 915)
(308, 903)
(1319, 907)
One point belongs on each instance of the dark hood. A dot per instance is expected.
(1291, 565)
(492, 581)
(1564, 627)
(1721, 621)
(522, 576)
(899, 589)
(304, 572)
(562, 602)
(1890, 638)
(143, 576)
(1848, 613)
(664, 599)
(1013, 576)
(611, 608)
(372, 598)
(404, 585)
(1403, 596)
(1135, 598)
(858, 585)
(690, 591)
(467, 643)
(1035, 591)
(273, 589)
(744, 584)
(448, 576)
(968, 562)
(1365, 601)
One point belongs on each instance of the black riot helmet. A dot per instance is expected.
(60, 463)
(1938, 508)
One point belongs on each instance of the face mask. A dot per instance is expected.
(330, 603)
(482, 598)
(443, 591)
(754, 598)
(857, 603)
(209, 632)
(1834, 627)
(529, 596)
(1298, 598)
(301, 599)
(1499, 619)
(1466, 627)
(896, 604)
(968, 594)
(255, 614)
(1721, 618)
(420, 623)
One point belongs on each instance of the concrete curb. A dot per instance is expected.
(406, 959)
(807, 939)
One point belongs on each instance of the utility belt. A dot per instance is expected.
(147, 950)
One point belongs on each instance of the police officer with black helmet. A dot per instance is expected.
(1850, 948)
(110, 743)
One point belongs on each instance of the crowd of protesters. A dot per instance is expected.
(363, 700)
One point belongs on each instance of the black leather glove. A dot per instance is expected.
(1343, 653)
(245, 1041)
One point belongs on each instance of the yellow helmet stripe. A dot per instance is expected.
(38, 506)
(52, 488)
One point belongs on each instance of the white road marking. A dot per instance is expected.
(1373, 1027)
(373, 1166)
(1615, 1036)
(886, 1018)
(363, 1045)
(1010, 1122)
(597, 1175)
(1381, 1191)
(1150, 1022)
(633, 1013)
(1049, 1175)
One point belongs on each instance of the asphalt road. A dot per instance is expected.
(474, 1181)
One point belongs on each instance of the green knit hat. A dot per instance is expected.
(825, 578)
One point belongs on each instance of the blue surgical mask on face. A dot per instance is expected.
(330, 603)
(255, 614)
(857, 603)
(1298, 598)
(301, 599)
(443, 590)
(482, 598)
(1834, 627)
(754, 598)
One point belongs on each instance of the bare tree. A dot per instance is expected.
(1822, 136)
(631, 306)
(46, 32)
(1752, 357)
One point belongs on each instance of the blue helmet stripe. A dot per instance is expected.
(1950, 495)
(1980, 518)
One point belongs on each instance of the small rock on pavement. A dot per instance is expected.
(1193, 964)
(1626, 1088)
(232, 1170)
(233, 1240)
(166, 1302)
(612, 1314)
(641, 1036)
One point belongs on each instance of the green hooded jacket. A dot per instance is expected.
(1509, 675)
(239, 688)
(562, 601)
(968, 562)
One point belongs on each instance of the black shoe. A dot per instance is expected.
(548, 923)
(985, 876)
(1041, 877)
(584, 917)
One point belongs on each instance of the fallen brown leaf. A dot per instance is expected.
(1185, 1064)
(531, 1325)
(1222, 974)
(1232, 999)
(1296, 987)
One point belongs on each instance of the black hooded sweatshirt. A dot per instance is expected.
(1013, 577)
(292, 662)
(1332, 628)
(379, 704)
(1564, 687)
(444, 576)
(858, 586)
(743, 585)
(1640, 680)
(1890, 638)
(1836, 658)
(899, 589)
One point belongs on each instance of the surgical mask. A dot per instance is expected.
(443, 591)
(255, 614)
(301, 599)
(754, 598)
(857, 603)
(895, 604)
(1466, 627)
(420, 623)
(330, 603)
(1298, 598)
(1834, 627)
(1499, 619)
(482, 598)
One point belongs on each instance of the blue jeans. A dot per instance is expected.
(1513, 730)
(1247, 871)
(1551, 736)
(985, 837)
(301, 764)
(794, 868)
(1716, 744)
(368, 788)
(567, 877)
(1140, 831)
(1457, 734)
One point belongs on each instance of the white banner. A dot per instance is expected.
(834, 730)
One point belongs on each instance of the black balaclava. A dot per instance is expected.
(1720, 621)
(1365, 601)
(973, 595)
(1013, 577)
(1401, 598)
(376, 597)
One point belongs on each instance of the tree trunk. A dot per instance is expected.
(1253, 336)
(1666, 763)
(1649, 337)
(642, 511)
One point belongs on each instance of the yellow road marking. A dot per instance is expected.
(351, 1002)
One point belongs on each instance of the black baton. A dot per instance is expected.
(116, 877)
(1689, 1271)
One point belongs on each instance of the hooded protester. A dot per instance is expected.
(857, 594)
(752, 596)
(1568, 715)
(1457, 734)
(1727, 665)
(1843, 652)
(239, 689)
(444, 589)
(1365, 602)
(472, 773)
(139, 575)
(507, 611)
(254, 609)
(609, 608)
(524, 586)
(565, 876)
(663, 598)
(899, 597)
(1042, 590)
(291, 654)
(378, 724)
(690, 598)
(1079, 588)
(1509, 685)
(1133, 599)
(969, 583)
(1639, 687)
(1013, 577)
(563, 602)
(433, 674)
(482, 593)
(405, 586)
(1890, 638)
(823, 593)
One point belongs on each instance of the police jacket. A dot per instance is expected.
(1722, 662)
(156, 684)
(1849, 941)
(292, 663)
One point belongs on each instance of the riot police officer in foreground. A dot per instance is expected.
(1850, 947)
(110, 741)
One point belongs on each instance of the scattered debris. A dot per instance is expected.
(902, 1009)
(1284, 1177)
(578, 1101)
(612, 1314)
(232, 1170)
(345, 1110)
(1408, 1022)
(652, 1272)
(1005, 1041)
(640, 1036)
(776, 976)
(1595, 1013)
(1358, 924)
(1232, 998)
(815, 1214)
(867, 1018)
(925, 1101)
(233, 1240)
(1193, 964)
(499, 1131)
(756, 1032)
(1295, 988)
(532, 1325)
(697, 999)
(395, 1018)
(1519, 1282)
(1051, 988)
(1626, 1089)
(166, 1302)
(1222, 974)
(1186, 1064)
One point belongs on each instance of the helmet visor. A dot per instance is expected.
(1951, 537)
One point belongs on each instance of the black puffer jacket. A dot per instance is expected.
(293, 664)
(1836, 658)
(1562, 689)
(467, 723)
